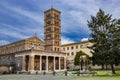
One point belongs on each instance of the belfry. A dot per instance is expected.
(52, 33)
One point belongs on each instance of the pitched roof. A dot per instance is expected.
(23, 41)
(74, 43)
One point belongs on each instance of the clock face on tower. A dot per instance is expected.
(52, 34)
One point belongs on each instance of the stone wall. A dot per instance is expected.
(4, 69)
(18, 63)
(7, 60)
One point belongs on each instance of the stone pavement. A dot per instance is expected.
(34, 77)
(53, 77)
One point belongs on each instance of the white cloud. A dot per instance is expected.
(74, 16)
(22, 15)
(84, 39)
(3, 42)
(77, 16)
(11, 31)
(65, 40)
(34, 16)
(16, 32)
(79, 11)
(24, 12)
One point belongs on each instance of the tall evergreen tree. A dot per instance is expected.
(105, 38)
(116, 41)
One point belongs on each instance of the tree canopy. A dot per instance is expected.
(105, 36)
(77, 57)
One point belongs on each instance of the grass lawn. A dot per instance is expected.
(97, 78)
(101, 75)
(107, 73)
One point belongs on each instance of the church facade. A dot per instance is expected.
(34, 55)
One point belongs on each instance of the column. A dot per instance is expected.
(46, 63)
(65, 63)
(59, 63)
(23, 64)
(54, 63)
(40, 63)
(31, 63)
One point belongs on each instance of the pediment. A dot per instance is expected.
(34, 39)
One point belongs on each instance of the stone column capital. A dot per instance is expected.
(32, 55)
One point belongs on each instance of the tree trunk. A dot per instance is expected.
(106, 66)
(113, 69)
(102, 67)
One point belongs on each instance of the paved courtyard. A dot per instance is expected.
(56, 77)
(33, 77)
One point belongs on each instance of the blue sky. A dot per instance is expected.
(20, 19)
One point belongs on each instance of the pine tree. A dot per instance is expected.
(104, 33)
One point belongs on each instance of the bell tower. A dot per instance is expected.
(52, 30)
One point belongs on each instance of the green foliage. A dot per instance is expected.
(77, 57)
(105, 36)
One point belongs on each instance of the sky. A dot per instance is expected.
(20, 19)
